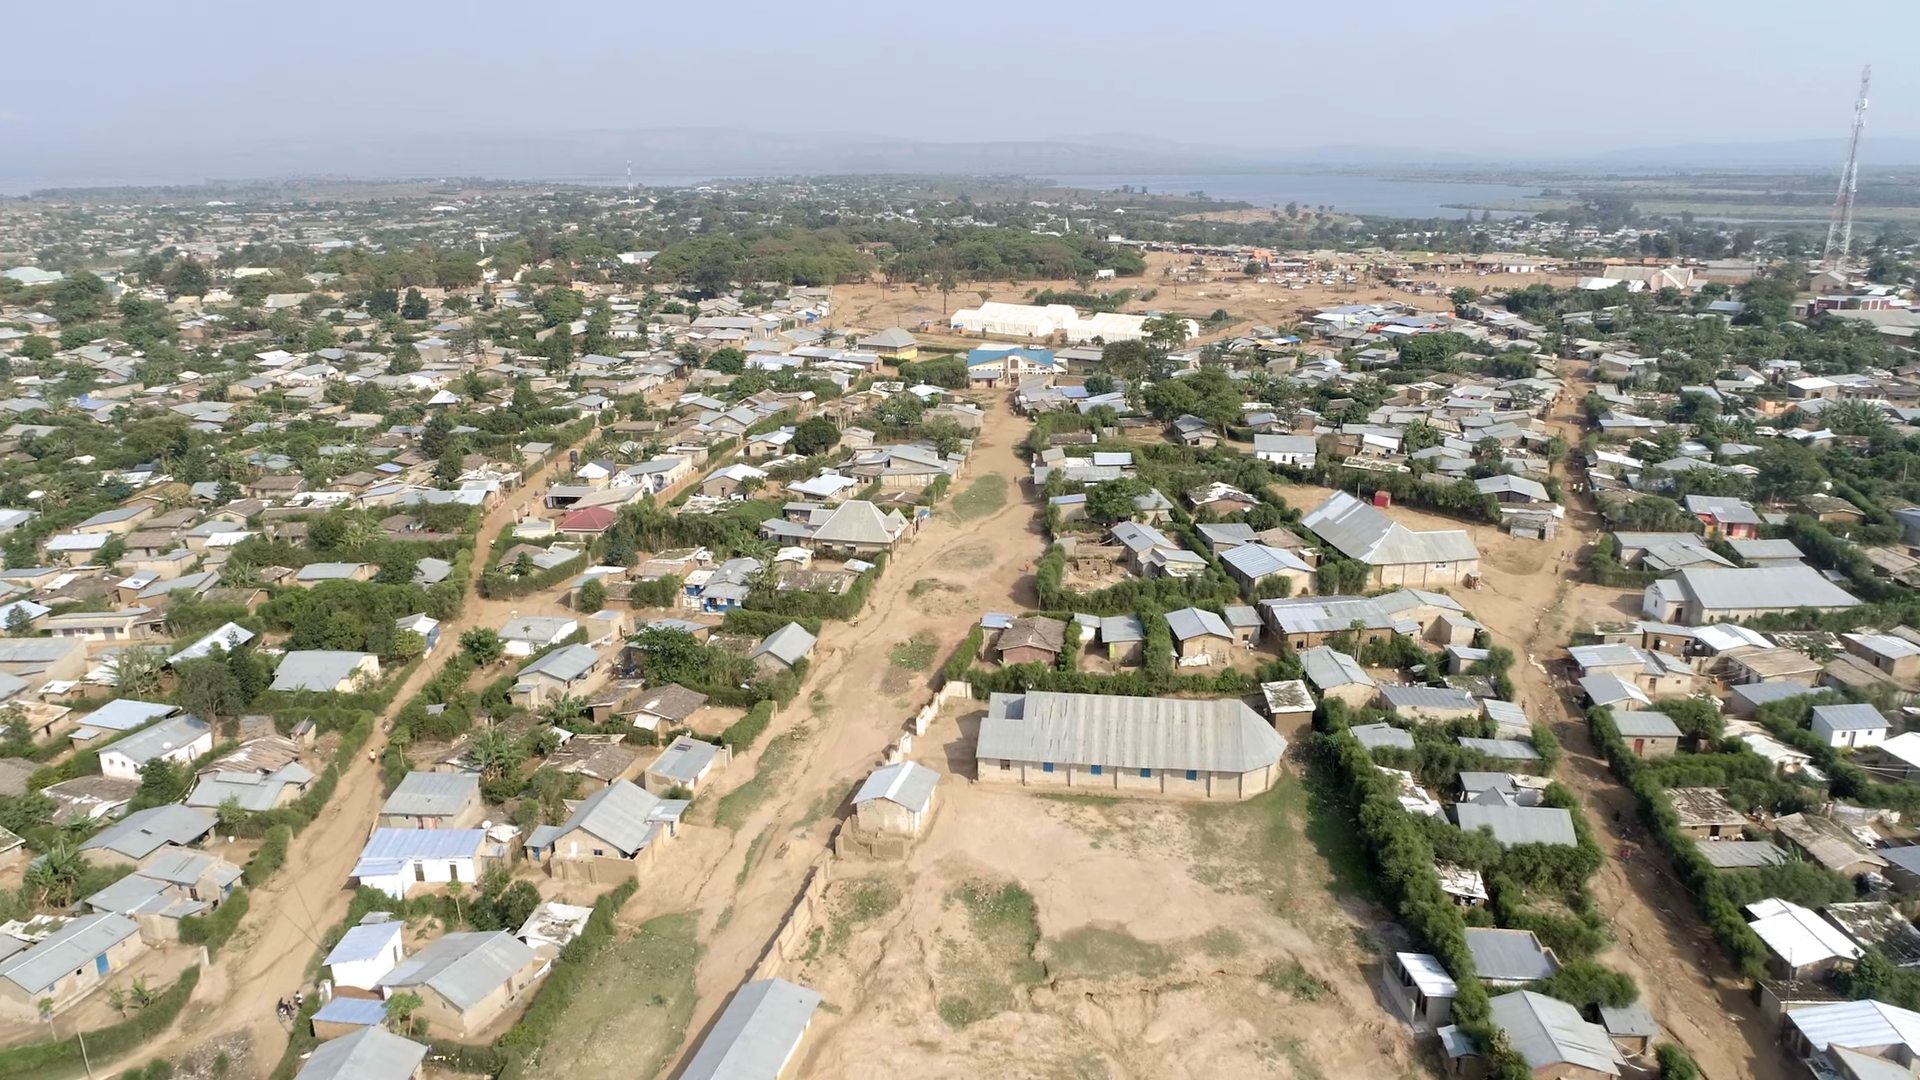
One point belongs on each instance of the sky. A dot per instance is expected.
(122, 87)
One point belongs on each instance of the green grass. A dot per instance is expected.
(1220, 943)
(1303, 1062)
(753, 854)
(740, 803)
(986, 495)
(817, 702)
(825, 803)
(864, 900)
(1094, 952)
(1295, 981)
(916, 653)
(633, 1006)
(979, 976)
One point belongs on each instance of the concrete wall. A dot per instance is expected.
(1424, 575)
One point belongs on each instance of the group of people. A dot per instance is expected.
(288, 1009)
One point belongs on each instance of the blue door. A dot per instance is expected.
(100, 963)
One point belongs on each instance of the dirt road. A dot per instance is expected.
(268, 957)
(857, 707)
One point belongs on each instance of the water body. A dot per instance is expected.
(1351, 193)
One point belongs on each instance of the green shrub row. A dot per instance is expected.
(61, 1059)
(741, 734)
(214, 930)
(961, 661)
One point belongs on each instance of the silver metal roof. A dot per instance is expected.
(622, 814)
(789, 644)
(1191, 622)
(1769, 587)
(567, 663)
(1503, 749)
(1509, 955)
(319, 670)
(372, 1053)
(143, 832)
(162, 738)
(1128, 732)
(902, 782)
(1546, 1031)
(1518, 824)
(1361, 532)
(463, 968)
(1325, 667)
(1646, 725)
(756, 1035)
(1428, 697)
(1740, 854)
(684, 759)
(426, 794)
(68, 949)
(1376, 736)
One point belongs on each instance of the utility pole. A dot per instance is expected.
(1840, 226)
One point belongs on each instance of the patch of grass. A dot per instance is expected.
(814, 937)
(1295, 981)
(1256, 843)
(1095, 952)
(916, 653)
(979, 976)
(818, 703)
(1303, 1064)
(826, 803)
(864, 900)
(1220, 943)
(1077, 799)
(987, 494)
(924, 586)
(739, 804)
(633, 1009)
(726, 916)
(753, 853)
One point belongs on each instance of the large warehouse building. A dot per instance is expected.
(1152, 746)
(1028, 321)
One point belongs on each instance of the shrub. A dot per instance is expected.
(740, 734)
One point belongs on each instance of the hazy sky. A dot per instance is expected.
(1536, 78)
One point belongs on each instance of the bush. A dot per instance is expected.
(567, 978)
(740, 734)
(961, 661)
(268, 857)
(63, 1058)
(214, 930)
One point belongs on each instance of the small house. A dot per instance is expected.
(393, 860)
(465, 980)
(367, 1052)
(1705, 814)
(609, 837)
(1849, 726)
(367, 952)
(1421, 987)
(1647, 734)
(1200, 637)
(180, 740)
(434, 800)
(685, 763)
(896, 799)
(1032, 639)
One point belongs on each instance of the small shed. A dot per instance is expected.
(685, 763)
(1705, 814)
(1648, 734)
(1849, 726)
(366, 952)
(1288, 704)
(1631, 1027)
(896, 799)
(1421, 987)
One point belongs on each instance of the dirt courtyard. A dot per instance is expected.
(874, 306)
(1068, 936)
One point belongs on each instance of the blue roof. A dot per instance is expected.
(988, 355)
(366, 1012)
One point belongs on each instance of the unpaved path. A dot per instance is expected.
(268, 956)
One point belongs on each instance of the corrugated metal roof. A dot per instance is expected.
(1546, 1031)
(372, 1053)
(902, 782)
(1258, 560)
(425, 794)
(162, 738)
(684, 759)
(66, 950)
(1504, 749)
(318, 670)
(1768, 587)
(1190, 622)
(1518, 824)
(1509, 955)
(124, 714)
(1361, 532)
(1377, 736)
(567, 663)
(361, 1012)
(463, 968)
(622, 814)
(1325, 668)
(1857, 1023)
(403, 845)
(143, 832)
(1739, 854)
(1128, 732)
(1797, 935)
(1428, 976)
(1831, 718)
(756, 1035)
(1646, 725)
(1428, 697)
(364, 942)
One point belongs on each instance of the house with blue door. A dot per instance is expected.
(66, 965)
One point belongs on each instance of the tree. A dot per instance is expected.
(815, 435)
(414, 307)
(163, 782)
(727, 361)
(593, 596)
(19, 623)
(496, 752)
(400, 1009)
(37, 349)
(1167, 331)
(136, 670)
(209, 689)
(383, 302)
(1112, 500)
(55, 876)
(188, 278)
(482, 645)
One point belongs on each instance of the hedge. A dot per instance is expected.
(269, 856)
(961, 661)
(214, 930)
(762, 623)
(568, 977)
(62, 1059)
(1701, 878)
(741, 734)
(795, 604)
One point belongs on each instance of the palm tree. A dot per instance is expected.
(56, 874)
(496, 752)
(565, 709)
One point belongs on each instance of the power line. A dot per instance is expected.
(1840, 226)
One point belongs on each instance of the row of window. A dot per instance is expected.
(1006, 764)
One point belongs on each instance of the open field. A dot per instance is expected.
(633, 1008)
(876, 306)
(1071, 936)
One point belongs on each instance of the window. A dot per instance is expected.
(598, 852)
(1193, 774)
(1005, 764)
(1146, 774)
(1096, 770)
(1046, 766)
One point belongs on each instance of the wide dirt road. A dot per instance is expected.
(268, 956)
(852, 708)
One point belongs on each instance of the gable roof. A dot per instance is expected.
(902, 782)
(372, 1053)
(73, 946)
(462, 967)
(1518, 824)
(432, 794)
(790, 644)
(144, 832)
(1128, 732)
(623, 814)
(756, 1035)
(1361, 532)
(1546, 1031)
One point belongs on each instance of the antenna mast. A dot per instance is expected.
(1840, 228)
